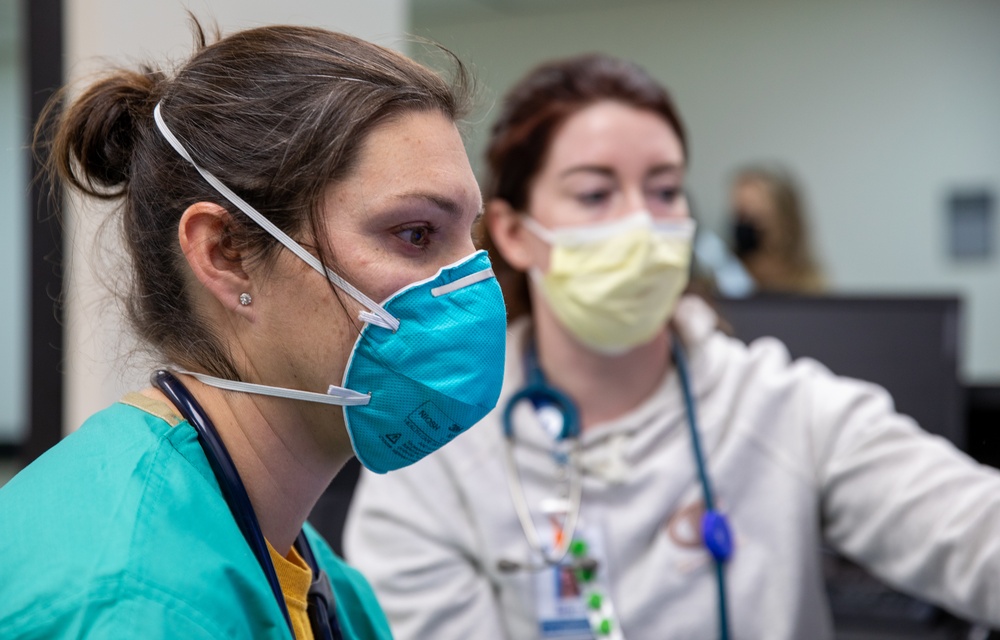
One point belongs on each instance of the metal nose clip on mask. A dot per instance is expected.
(427, 365)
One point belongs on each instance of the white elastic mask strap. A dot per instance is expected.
(335, 395)
(375, 314)
(586, 234)
(540, 232)
(680, 228)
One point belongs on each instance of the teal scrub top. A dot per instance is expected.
(121, 531)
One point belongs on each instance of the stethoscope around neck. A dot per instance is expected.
(321, 606)
(715, 532)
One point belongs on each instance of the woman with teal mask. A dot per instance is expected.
(297, 207)
(644, 475)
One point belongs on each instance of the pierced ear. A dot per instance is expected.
(508, 234)
(204, 237)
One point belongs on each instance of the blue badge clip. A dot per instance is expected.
(716, 535)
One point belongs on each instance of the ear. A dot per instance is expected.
(508, 234)
(206, 243)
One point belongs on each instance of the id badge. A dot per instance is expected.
(563, 601)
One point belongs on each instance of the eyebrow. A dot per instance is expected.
(446, 204)
(588, 168)
(608, 172)
(665, 168)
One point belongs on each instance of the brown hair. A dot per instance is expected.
(795, 249)
(530, 117)
(277, 113)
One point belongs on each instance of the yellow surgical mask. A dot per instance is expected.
(613, 285)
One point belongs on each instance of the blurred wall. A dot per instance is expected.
(101, 361)
(14, 237)
(881, 107)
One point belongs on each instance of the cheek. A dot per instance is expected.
(546, 205)
(335, 332)
(554, 211)
(540, 252)
(381, 280)
(682, 208)
(363, 263)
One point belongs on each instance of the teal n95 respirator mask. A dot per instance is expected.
(427, 365)
(614, 285)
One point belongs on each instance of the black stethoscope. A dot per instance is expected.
(715, 532)
(322, 612)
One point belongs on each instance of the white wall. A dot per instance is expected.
(123, 32)
(14, 236)
(880, 106)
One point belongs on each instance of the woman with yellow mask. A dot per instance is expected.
(644, 475)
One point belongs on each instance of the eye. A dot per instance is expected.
(593, 197)
(418, 235)
(669, 194)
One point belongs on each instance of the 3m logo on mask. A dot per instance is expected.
(428, 416)
(429, 426)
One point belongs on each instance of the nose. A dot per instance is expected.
(635, 200)
(675, 208)
(461, 249)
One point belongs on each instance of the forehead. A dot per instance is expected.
(416, 144)
(612, 133)
(416, 152)
(752, 193)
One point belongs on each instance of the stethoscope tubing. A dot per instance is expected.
(680, 361)
(516, 488)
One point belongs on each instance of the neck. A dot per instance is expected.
(284, 464)
(603, 387)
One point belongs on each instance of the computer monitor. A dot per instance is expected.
(907, 344)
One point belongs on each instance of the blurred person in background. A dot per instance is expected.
(770, 231)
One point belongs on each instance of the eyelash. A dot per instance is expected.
(593, 197)
(429, 230)
(669, 194)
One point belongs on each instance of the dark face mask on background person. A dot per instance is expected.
(746, 237)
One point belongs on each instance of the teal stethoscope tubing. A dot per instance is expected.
(715, 529)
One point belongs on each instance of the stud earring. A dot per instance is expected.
(245, 299)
